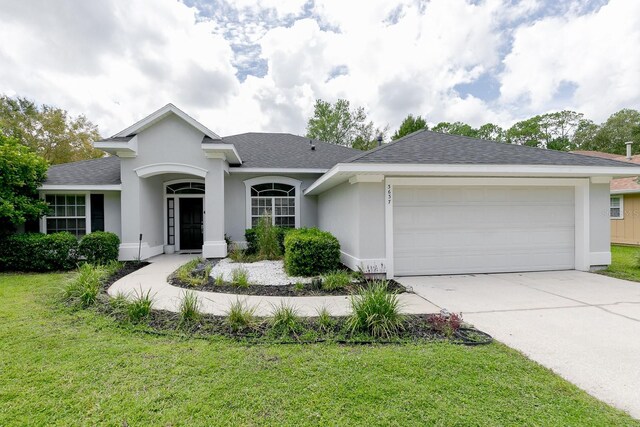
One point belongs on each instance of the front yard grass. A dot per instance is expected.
(624, 263)
(63, 367)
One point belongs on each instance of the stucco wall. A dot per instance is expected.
(599, 228)
(112, 221)
(338, 212)
(235, 202)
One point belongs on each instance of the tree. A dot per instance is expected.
(48, 131)
(491, 132)
(339, 124)
(526, 132)
(619, 128)
(22, 172)
(584, 135)
(456, 128)
(409, 125)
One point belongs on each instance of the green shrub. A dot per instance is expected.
(139, 308)
(83, 290)
(190, 309)
(285, 320)
(99, 247)
(310, 251)
(375, 312)
(339, 279)
(39, 252)
(240, 277)
(240, 316)
(251, 236)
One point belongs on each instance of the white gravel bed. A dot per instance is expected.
(260, 273)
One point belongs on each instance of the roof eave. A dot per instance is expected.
(343, 171)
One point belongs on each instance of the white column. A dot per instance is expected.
(214, 244)
(130, 216)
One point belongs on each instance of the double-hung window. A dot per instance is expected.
(616, 207)
(67, 212)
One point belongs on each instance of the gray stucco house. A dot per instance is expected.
(428, 203)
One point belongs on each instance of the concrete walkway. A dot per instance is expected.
(153, 278)
(583, 326)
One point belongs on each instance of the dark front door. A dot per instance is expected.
(190, 223)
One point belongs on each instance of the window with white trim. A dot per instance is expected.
(67, 212)
(274, 199)
(615, 207)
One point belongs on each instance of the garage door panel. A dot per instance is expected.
(448, 230)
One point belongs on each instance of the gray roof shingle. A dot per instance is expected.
(427, 147)
(284, 150)
(102, 171)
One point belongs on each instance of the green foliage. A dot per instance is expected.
(252, 237)
(491, 132)
(219, 280)
(139, 309)
(237, 254)
(38, 252)
(334, 280)
(375, 312)
(298, 286)
(48, 131)
(457, 128)
(285, 320)
(190, 309)
(21, 172)
(240, 277)
(325, 321)
(240, 316)
(611, 136)
(186, 273)
(339, 124)
(268, 244)
(83, 289)
(310, 251)
(409, 125)
(99, 247)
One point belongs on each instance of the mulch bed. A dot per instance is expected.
(128, 268)
(283, 290)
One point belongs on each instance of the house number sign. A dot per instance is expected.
(388, 194)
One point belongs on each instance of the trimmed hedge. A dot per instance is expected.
(99, 247)
(251, 236)
(310, 251)
(39, 252)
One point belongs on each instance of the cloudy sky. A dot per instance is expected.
(250, 65)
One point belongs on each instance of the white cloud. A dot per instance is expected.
(118, 61)
(597, 53)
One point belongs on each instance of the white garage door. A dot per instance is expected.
(455, 230)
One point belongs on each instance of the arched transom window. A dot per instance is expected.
(275, 199)
(186, 188)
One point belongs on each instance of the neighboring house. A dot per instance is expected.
(624, 201)
(428, 203)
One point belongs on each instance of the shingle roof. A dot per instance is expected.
(629, 184)
(284, 150)
(102, 171)
(427, 147)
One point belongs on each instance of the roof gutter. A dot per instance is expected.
(343, 171)
(80, 187)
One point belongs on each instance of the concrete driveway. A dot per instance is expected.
(583, 326)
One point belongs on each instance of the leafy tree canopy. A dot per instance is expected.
(22, 172)
(611, 136)
(341, 125)
(48, 131)
(409, 125)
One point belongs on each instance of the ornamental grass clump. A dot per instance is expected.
(375, 312)
(285, 320)
(240, 316)
(139, 308)
(83, 290)
(190, 309)
(267, 239)
(240, 277)
(335, 280)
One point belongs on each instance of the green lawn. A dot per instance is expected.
(63, 368)
(624, 263)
